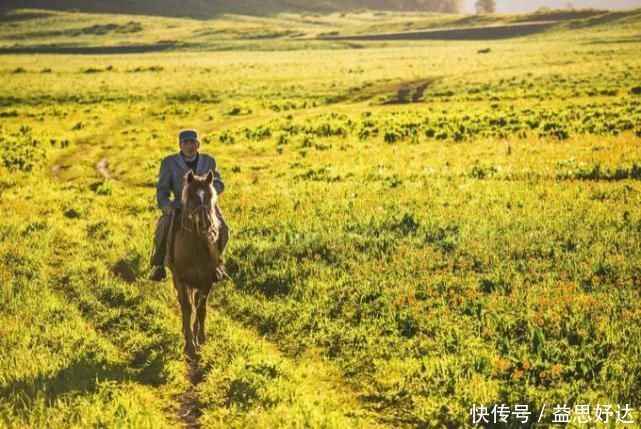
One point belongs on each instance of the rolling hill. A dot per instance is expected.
(47, 31)
(205, 9)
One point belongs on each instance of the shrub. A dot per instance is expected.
(23, 154)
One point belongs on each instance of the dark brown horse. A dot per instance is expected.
(195, 261)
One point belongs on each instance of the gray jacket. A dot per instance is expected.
(172, 175)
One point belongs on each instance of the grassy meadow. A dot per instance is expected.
(416, 226)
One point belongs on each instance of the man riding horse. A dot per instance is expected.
(171, 180)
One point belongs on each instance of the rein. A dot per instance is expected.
(191, 213)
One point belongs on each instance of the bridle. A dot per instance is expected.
(202, 207)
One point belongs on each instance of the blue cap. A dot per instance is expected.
(187, 135)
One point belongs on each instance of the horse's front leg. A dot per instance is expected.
(186, 310)
(196, 324)
(201, 314)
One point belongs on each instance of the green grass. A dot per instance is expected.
(398, 255)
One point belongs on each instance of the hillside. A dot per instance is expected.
(511, 6)
(205, 9)
(46, 31)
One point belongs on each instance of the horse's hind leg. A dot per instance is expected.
(201, 314)
(186, 310)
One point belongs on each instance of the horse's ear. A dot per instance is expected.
(190, 176)
(210, 177)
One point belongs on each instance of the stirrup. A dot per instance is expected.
(158, 274)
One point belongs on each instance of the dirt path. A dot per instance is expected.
(189, 411)
(55, 171)
(103, 168)
(68, 164)
(312, 375)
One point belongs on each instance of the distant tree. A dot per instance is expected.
(454, 6)
(445, 6)
(569, 5)
(485, 6)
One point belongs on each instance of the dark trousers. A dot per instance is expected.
(162, 234)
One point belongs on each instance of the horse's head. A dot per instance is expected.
(199, 198)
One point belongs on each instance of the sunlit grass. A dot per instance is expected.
(395, 259)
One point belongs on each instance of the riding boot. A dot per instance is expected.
(160, 247)
(223, 232)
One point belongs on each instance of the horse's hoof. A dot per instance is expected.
(191, 351)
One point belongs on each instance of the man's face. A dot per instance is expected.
(189, 147)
